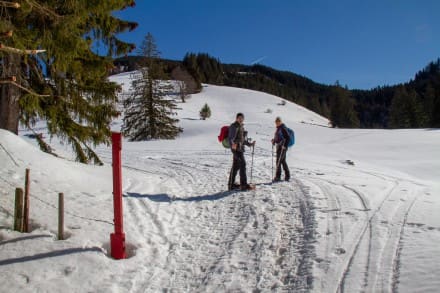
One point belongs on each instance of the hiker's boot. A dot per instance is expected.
(234, 186)
(246, 187)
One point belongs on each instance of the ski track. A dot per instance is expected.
(396, 261)
(265, 237)
(361, 269)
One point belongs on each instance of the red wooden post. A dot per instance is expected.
(117, 239)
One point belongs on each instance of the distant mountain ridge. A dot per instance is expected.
(414, 104)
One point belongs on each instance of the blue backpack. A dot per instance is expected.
(291, 135)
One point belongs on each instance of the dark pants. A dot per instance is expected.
(281, 161)
(239, 163)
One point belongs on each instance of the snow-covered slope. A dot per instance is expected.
(359, 215)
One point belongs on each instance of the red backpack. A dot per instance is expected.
(223, 136)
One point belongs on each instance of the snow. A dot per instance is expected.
(360, 215)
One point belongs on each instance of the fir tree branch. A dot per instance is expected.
(44, 146)
(42, 9)
(37, 72)
(22, 87)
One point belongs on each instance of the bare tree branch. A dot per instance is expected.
(19, 51)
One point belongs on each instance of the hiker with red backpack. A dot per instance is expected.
(237, 140)
(283, 138)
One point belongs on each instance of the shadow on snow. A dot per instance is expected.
(18, 239)
(51, 254)
(163, 197)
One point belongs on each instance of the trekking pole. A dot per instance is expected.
(252, 162)
(272, 162)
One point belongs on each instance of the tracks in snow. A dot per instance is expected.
(264, 240)
(208, 240)
(365, 251)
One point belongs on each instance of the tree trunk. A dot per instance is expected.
(10, 94)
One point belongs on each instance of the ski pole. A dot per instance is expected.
(252, 162)
(272, 162)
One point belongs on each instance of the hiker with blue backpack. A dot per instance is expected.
(283, 138)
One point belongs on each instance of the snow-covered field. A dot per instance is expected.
(360, 215)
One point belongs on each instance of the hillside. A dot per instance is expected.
(417, 102)
(359, 215)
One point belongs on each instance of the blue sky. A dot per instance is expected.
(360, 43)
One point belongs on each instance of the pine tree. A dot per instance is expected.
(190, 63)
(406, 109)
(342, 113)
(325, 111)
(204, 68)
(313, 104)
(397, 118)
(149, 109)
(419, 117)
(429, 104)
(205, 112)
(66, 85)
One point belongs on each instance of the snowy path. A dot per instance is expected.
(217, 240)
(322, 223)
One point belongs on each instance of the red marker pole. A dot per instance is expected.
(117, 239)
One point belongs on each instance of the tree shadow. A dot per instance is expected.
(55, 253)
(163, 197)
(30, 237)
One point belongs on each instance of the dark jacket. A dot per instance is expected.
(282, 136)
(238, 135)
